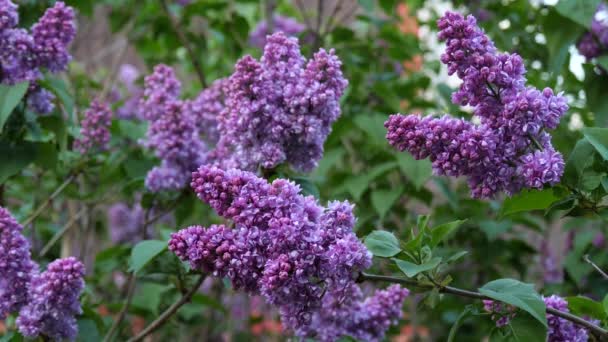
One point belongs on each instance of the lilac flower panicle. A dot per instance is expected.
(52, 34)
(594, 42)
(95, 131)
(289, 26)
(561, 329)
(279, 109)
(286, 247)
(16, 265)
(500, 153)
(125, 223)
(127, 76)
(40, 100)
(160, 87)
(206, 109)
(54, 302)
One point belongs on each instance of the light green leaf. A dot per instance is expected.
(598, 137)
(411, 269)
(149, 296)
(382, 243)
(58, 87)
(416, 171)
(605, 304)
(518, 294)
(10, 96)
(579, 11)
(357, 185)
(383, 200)
(463, 315)
(526, 328)
(442, 231)
(528, 201)
(493, 229)
(457, 256)
(144, 252)
(373, 126)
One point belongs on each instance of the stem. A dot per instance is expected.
(476, 295)
(169, 312)
(597, 268)
(535, 142)
(48, 201)
(60, 233)
(182, 39)
(123, 310)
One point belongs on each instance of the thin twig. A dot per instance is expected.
(48, 201)
(535, 142)
(184, 41)
(302, 10)
(169, 312)
(125, 307)
(269, 6)
(476, 295)
(597, 268)
(337, 7)
(60, 233)
(347, 14)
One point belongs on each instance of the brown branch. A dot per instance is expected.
(184, 41)
(169, 312)
(597, 268)
(476, 295)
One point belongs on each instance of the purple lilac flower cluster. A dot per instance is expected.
(125, 223)
(47, 302)
(289, 26)
(206, 109)
(510, 149)
(594, 42)
(127, 76)
(24, 54)
(95, 131)
(16, 265)
(53, 301)
(172, 134)
(291, 250)
(560, 329)
(279, 109)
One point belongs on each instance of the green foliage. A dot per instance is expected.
(10, 96)
(144, 252)
(382, 243)
(518, 294)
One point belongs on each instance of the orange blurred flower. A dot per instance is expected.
(414, 64)
(410, 333)
(408, 23)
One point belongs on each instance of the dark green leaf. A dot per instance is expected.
(579, 11)
(59, 88)
(463, 315)
(442, 231)
(416, 171)
(144, 252)
(14, 158)
(526, 328)
(456, 256)
(583, 306)
(528, 200)
(518, 294)
(10, 96)
(411, 269)
(383, 200)
(382, 243)
(598, 137)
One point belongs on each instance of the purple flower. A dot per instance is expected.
(125, 223)
(160, 88)
(588, 46)
(53, 301)
(40, 100)
(52, 34)
(553, 272)
(95, 133)
(280, 109)
(289, 26)
(284, 246)
(16, 265)
(206, 109)
(594, 42)
(499, 153)
(9, 17)
(561, 329)
(127, 76)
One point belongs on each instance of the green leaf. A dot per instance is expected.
(58, 87)
(579, 11)
(526, 328)
(528, 201)
(411, 269)
(561, 34)
(605, 304)
(442, 231)
(382, 243)
(10, 96)
(493, 229)
(603, 61)
(46, 155)
(457, 256)
(416, 171)
(518, 294)
(373, 126)
(307, 187)
(580, 158)
(149, 296)
(87, 331)
(144, 252)
(583, 306)
(383, 200)
(15, 158)
(357, 185)
(598, 137)
(56, 125)
(463, 315)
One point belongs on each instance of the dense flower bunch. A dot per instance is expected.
(16, 265)
(289, 26)
(206, 109)
(95, 131)
(53, 301)
(291, 250)
(279, 109)
(510, 149)
(23, 54)
(172, 134)
(594, 42)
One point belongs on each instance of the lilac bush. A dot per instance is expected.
(510, 149)
(288, 248)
